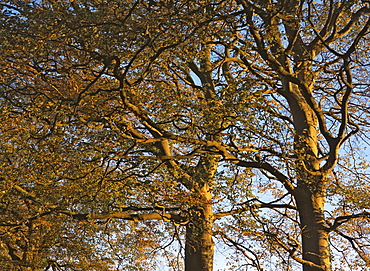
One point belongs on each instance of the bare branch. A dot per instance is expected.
(340, 220)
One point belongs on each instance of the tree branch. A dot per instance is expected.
(340, 220)
(160, 215)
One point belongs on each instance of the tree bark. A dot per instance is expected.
(315, 237)
(199, 246)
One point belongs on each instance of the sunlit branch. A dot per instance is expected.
(162, 214)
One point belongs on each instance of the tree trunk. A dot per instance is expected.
(310, 192)
(315, 238)
(199, 246)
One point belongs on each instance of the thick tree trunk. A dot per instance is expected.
(315, 238)
(310, 192)
(199, 246)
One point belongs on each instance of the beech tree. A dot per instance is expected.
(185, 118)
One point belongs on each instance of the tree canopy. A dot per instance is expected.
(143, 133)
